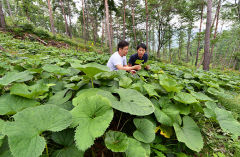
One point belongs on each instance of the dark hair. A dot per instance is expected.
(142, 45)
(122, 44)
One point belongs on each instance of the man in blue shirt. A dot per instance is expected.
(140, 55)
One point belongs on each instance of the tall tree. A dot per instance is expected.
(84, 27)
(107, 22)
(51, 17)
(133, 22)
(65, 19)
(124, 19)
(69, 19)
(146, 6)
(199, 35)
(2, 18)
(9, 8)
(216, 27)
(206, 60)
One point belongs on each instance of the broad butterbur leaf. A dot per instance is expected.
(169, 84)
(30, 92)
(150, 90)
(133, 102)
(90, 69)
(66, 139)
(92, 117)
(116, 141)
(125, 82)
(60, 97)
(185, 98)
(15, 76)
(135, 149)
(227, 122)
(56, 69)
(201, 97)
(167, 116)
(23, 133)
(11, 104)
(145, 130)
(189, 134)
(92, 91)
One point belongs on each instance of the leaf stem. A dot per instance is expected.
(119, 120)
(92, 82)
(46, 149)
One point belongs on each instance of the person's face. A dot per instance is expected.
(141, 52)
(123, 51)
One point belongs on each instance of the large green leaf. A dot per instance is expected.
(23, 133)
(116, 141)
(70, 151)
(90, 69)
(209, 112)
(150, 90)
(185, 98)
(125, 82)
(169, 84)
(92, 91)
(11, 104)
(66, 139)
(15, 76)
(145, 130)
(60, 97)
(56, 69)
(92, 116)
(133, 102)
(30, 92)
(189, 134)
(167, 116)
(135, 149)
(227, 122)
(200, 96)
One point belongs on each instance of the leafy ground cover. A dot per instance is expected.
(61, 102)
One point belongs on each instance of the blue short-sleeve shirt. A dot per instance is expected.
(135, 57)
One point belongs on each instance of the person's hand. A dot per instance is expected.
(133, 71)
(137, 67)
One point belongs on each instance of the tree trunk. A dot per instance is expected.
(215, 33)
(108, 29)
(206, 61)
(124, 16)
(87, 21)
(84, 27)
(159, 40)
(2, 18)
(133, 21)
(189, 40)
(200, 29)
(103, 24)
(239, 10)
(111, 27)
(65, 19)
(69, 19)
(51, 17)
(169, 50)
(146, 6)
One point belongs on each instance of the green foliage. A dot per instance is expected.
(23, 133)
(133, 102)
(92, 117)
(145, 130)
(227, 122)
(11, 104)
(189, 134)
(116, 141)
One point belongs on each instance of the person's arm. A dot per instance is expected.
(127, 68)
